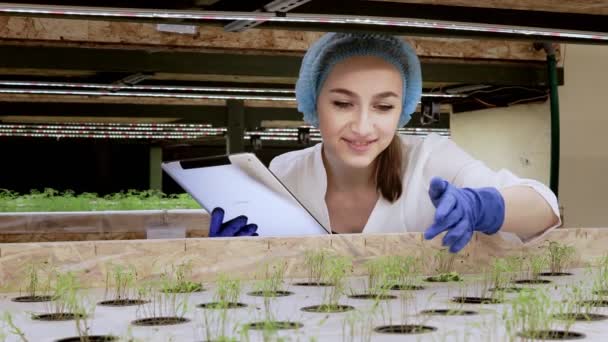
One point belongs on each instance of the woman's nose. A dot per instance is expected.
(362, 123)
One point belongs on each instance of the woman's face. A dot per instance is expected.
(359, 107)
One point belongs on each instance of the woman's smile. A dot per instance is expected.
(359, 146)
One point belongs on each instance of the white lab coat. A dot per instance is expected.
(303, 172)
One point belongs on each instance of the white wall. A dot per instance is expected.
(584, 145)
(518, 137)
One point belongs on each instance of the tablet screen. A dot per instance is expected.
(242, 185)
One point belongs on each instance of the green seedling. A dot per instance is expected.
(120, 283)
(444, 267)
(215, 319)
(227, 290)
(63, 295)
(315, 261)
(160, 302)
(577, 303)
(394, 272)
(531, 316)
(178, 279)
(560, 256)
(214, 325)
(272, 279)
(337, 269)
(534, 266)
(358, 325)
(600, 283)
(53, 200)
(13, 329)
(39, 280)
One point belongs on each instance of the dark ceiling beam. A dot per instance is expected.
(179, 62)
(216, 116)
(473, 15)
(479, 15)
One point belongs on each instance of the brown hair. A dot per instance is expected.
(389, 171)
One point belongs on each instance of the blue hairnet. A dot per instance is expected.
(332, 48)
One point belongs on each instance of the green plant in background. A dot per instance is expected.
(178, 279)
(444, 267)
(315, 261)
(13, 329)
(52, 200)
(120, 283)
(559, 256)
(502, 273)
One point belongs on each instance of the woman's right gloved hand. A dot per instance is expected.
(236, 227)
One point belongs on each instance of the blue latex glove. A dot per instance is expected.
(236, 227)
(461, 211)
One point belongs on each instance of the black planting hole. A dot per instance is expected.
(92, 338)
(275, 325)
(196, 288)
(601, 292)
(66, 316)
(511, 289)
(218, 305)
(551, 335)
(449, 312)
(328, 308)
(436, 279)
(580, 316)
(532, 281)
(555, 274)
(404, 329)
(372, 296)
(407, 287)
(122, 302)
(154, 321)
(312, 283)
(599, 302)
(32, 299)
(270, 293)
(476, 300)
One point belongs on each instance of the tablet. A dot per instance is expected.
(242, 185)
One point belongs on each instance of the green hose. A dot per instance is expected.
(555, 134)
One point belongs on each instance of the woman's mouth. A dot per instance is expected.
(359, 145)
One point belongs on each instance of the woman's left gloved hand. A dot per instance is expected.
(236, 227)
(461, 211)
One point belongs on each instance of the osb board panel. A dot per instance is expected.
(564, 6)
(140, 35)
(245, 257)
(102, 225)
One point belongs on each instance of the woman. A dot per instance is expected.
(364, 178)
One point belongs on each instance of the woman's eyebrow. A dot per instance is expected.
(386, 94)
(343, 91)
(350, 93)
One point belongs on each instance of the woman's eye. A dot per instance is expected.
(384, 108)
(341, 104)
